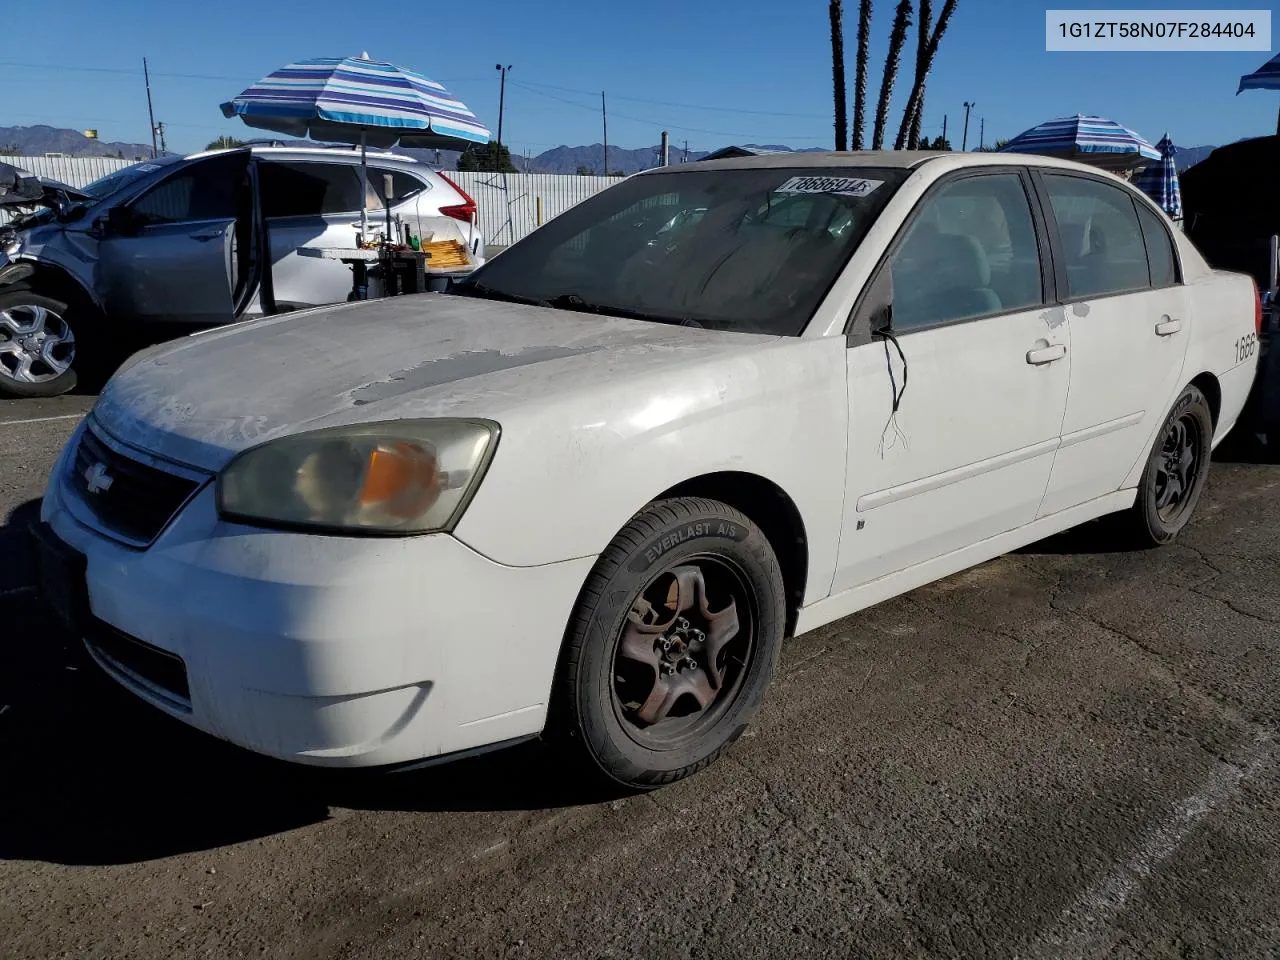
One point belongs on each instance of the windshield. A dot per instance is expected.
(103, 187)
(750, 250)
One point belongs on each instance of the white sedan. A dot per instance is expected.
(588, 494)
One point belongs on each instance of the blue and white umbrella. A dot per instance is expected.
(357, 100)
(1266, 77)
(1094, 140)
(1159, 181)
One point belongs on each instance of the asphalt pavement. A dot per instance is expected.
(1067, 752)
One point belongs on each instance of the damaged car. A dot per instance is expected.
(180, 243)
(589, 493)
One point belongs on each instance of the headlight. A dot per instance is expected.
(398, 477)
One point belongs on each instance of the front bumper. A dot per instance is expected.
(336, 651)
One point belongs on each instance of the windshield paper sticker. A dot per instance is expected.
(843, 186)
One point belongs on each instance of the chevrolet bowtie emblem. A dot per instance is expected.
(97, 478)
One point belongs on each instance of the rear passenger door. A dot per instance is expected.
(1129, 313)
(952, 440)
(309, 204)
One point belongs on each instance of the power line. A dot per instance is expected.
(544, 86)
(685, 106)
(658, 123)
(59, 67)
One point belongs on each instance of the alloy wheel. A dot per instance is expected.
(36, 344)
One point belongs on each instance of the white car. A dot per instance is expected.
(590, 494)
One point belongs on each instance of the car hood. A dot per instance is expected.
(206, 397)
(21, 189)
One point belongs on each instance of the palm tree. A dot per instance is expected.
(897, 38)
(860, 81)
(837, 74)
(915, 103)
(909, 131)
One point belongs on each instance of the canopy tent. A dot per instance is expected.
(1093, 140)
(1266, 77)
(1160, 181)
(357, 100)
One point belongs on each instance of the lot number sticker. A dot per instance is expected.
(844, 186)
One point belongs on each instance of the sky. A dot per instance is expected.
(744, 71)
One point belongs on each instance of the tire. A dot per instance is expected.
(643, 699)
(1174, 476)
(28, 366)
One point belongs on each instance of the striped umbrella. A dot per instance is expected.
(1266, 77)
(1159, 181)
(1093, 140)
(357, 100)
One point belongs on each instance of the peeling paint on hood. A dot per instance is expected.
(204, 398)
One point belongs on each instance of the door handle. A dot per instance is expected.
(1047, 354)
(207, 235)
(1167, 327)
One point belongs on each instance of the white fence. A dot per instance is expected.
(511, 205)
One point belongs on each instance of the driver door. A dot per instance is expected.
(183, 251)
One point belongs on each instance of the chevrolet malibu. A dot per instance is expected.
(589, 493)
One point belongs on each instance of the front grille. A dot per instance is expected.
(162, 670)
(128, 497)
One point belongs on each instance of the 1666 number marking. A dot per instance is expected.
(1246, 347)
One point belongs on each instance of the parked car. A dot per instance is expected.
(590, 492)
(182, 241)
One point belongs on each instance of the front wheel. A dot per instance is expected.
(37, 346)
(1175, 473)
(673, 644)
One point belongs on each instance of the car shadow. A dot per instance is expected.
(94, 776)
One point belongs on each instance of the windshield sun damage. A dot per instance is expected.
(752, 250)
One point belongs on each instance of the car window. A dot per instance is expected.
(1101, 240)
(297, 189)
(207, 190)
(724, 249)
(404, 186)
(1160, 256)
(971, 251)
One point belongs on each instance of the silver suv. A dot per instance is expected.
(188, 242)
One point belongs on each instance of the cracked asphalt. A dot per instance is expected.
(1067, 752)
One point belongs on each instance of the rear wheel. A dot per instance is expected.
(1175, 473)
(37, 346)
(673, 644)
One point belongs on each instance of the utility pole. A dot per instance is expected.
(982, 133)
(964, 143)
(502, 100)
(604, 118)
(159, 128)
(666, 149)
(944, 130)
(146, 75)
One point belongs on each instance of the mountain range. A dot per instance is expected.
(39, 140)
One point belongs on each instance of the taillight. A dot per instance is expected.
(1257, 310)
(465, 211)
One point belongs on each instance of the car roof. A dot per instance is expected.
(894, 159)
(339, 152)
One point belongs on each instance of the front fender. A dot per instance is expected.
(570, 471)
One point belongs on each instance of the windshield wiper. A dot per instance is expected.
(571, 301)
(567, 301)
(469, 288)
